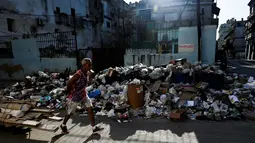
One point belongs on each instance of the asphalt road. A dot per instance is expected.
(148, 131)
(142, 131)
(242, 67)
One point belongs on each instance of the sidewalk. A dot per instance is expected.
(143, 131)
(5, 83)
(250, 61)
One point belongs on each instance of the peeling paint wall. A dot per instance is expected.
(187, 35)
(140, 51)
(5, 76)
(44, 9)
(27, 60)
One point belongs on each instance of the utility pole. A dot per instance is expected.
(75, 38)
(198, 30)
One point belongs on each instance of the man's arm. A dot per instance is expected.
(71, 82)
(90, 77)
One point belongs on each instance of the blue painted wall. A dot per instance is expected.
(27, 55)
(187, 35)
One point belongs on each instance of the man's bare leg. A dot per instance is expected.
(63, 125)
(67, 117)
(91, 116)
(92, 120)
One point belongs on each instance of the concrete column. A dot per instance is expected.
(246, 49)
(172, 48)
(249, 50)
(253, 52)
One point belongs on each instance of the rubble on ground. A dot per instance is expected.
(174, 91)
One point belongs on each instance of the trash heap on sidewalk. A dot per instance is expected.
(25, 114)
(46, 89)
(174, 91)
(27, 103)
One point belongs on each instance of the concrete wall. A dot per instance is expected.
(58, 64)
(27, 59)
(22, 23)
(187, 35)
(239, 41)
(172, 10)
(140, 51)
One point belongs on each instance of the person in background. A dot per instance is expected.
(76, 90)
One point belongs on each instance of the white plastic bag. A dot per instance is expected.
(111, 113)
(149, 111)
(147, 98)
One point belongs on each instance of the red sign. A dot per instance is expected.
(184, 48)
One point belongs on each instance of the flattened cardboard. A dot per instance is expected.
(55, 118)
(163, 90)
(178, 114)
(46, 127)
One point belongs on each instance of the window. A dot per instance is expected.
(108, 24)
(44, 4)
(56, 30)
(175, 48)
(57, 9)
(72, 11)
(95, 4)
(203, 11)
(10, 24)
(95, 30)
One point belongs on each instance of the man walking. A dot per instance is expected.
(76, 89)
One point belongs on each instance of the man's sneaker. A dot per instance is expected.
(64, 129)
(97, 129)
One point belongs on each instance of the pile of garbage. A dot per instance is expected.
(44, 88)
(174, 91)
(171, 89)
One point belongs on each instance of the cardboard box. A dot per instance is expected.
(187, 96)
(178, 114)
(202, 85)
(135, 96)
(189, 89)
(187, 65)
(165, 85)
(163, 90)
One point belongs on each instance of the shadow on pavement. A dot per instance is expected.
(56, 137)
(204, 131)
(12, 134)
(93, 137)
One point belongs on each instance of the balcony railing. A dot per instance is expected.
(250, 16)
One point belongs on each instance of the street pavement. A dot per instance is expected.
(242, 67)
(154, 130)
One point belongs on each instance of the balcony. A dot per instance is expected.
(66, 20)
(249, 25)
(251, 16)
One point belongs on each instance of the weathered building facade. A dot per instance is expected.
(116, 21)
(50, 16)
(236, 37)
(250, 32)
(161, 25)
(223, 31)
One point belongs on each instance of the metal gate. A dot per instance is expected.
(56, 45)
(107, 57)
(160, 35)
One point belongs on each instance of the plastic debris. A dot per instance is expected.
(165, 91)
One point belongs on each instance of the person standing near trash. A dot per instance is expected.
(76, 90)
